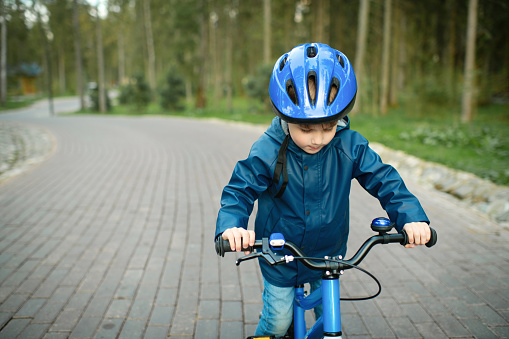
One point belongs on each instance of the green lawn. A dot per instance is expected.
(18, 103)
(481, 147)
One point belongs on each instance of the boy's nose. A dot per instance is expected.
(317, 139)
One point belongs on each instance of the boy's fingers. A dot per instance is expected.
(249, 238)
(418, 234)
(230, 236)
(239, 238)
(410, 235)
(252, 238)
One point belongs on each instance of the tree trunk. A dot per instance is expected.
(469, 75)
(203, 57)
(384, 88)
(322, 23)
(232, 13)
(362, 33)
(402, 52)
(77, 54)
(121, 59)
(100, 65)
(47, 57)
(267, 31)
(3, 57)
(61, 70)
(150, 45)
(214, 51)
(394, 63)
(319, 21)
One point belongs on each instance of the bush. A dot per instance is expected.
(136, 93)
(257, 85)
(93, 92)
(173, 91)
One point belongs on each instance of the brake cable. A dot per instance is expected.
(339, 261)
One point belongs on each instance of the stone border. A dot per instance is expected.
(21, 147)
(483, 195)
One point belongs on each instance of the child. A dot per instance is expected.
(309, 144)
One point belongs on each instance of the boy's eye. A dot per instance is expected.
(305, 130)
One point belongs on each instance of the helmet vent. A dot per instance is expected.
(341, 61)
(283, 63)
(333, 91)
(311, 51)
(290, 90)
(312, 88)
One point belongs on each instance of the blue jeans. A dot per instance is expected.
(277, 312)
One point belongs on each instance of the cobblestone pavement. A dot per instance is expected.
(111, 237)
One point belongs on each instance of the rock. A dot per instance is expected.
(482, 195)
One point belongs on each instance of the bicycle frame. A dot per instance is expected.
(329, 324)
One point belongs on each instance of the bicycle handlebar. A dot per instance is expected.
(223, 246)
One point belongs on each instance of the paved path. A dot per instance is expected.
(111, 237)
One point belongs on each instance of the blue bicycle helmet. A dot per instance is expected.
(312, 84)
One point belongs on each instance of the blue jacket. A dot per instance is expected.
(314, 210)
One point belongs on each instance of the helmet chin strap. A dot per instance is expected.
(281, 167)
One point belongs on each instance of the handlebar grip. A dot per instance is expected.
(223, 246)
(432, 241)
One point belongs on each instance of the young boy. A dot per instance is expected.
(310, 146)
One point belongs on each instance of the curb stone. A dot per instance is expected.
(21, 147)
(482, 195)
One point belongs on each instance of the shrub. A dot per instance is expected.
(257, 85)
(137, 92)
(93, 93)
(173, 91)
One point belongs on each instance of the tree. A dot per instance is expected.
(384, 90)
(467, 106)
(267, 32)
(362, 30)
(78, 58)
(100, 65)
(47, 55)
(232, 14)
(202, 58)
(3, 55)
(150, 45)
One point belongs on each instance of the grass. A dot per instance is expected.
(481, 147)
(19, 102)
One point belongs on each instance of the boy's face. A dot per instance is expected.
(312, 138)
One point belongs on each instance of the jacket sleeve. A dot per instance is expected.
(384, 182)
(250, 178)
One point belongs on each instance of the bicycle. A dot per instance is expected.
(329, 324)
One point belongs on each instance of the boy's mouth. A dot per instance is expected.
(314, 148)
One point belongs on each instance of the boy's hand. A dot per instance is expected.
(238, 236)
(418, 233)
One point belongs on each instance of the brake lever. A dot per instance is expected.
(266, 253)
(248, 257)
(271, 259)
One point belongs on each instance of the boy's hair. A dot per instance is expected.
(325, 125)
